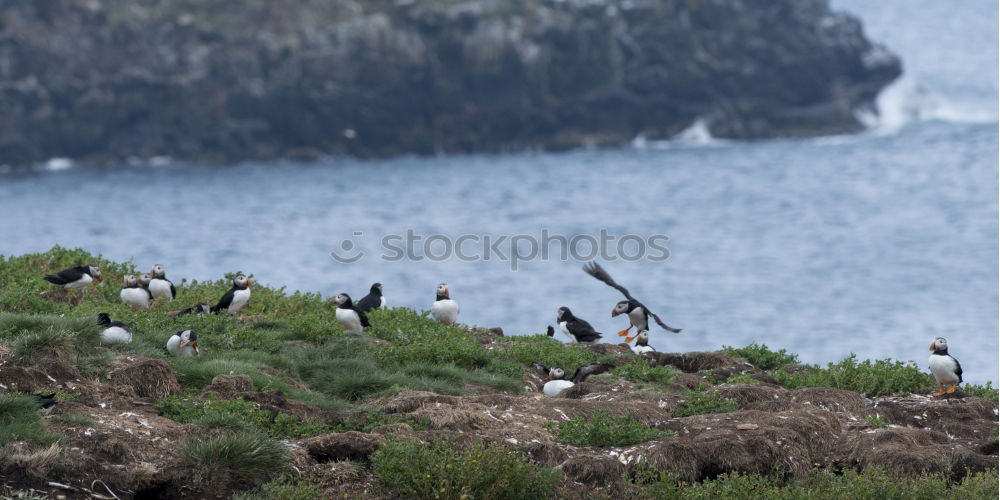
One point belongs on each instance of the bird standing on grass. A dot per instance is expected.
(373, 300)
(578, 330)
(183, 343)
(237, 296)
(445, 309)
(115, 332)
(134, 295)
(352, 319)
(557, 377)
(159, 285)
(75, 277)
(638, 314)
(947, 372)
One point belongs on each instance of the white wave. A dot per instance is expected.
(697, 134)
(905, 101)
(58, 163)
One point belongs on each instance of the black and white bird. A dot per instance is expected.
(578, 330)
(373, 300)
(144, 280)
(75, 277)
(557, 377)
(638, 314)
(352, 319)
(183, 343)
(159, 285)
(133, 294)
(115, 332)
(551, 332)
(45, 401)
(947, 372)
(236, 298)
(445, 309)
(642, 343)
(199, 308)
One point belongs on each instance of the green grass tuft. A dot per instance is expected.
(640, 371)
(237, 414)
(762, 357)
(20, 421)
(873, 379)
(602, 428)
(701, 401)
(285, 487)
(250, 457)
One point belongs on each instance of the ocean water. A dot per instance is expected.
(873, 243)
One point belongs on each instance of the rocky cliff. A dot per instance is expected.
(103, 80)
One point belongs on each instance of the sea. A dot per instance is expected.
(872, 244)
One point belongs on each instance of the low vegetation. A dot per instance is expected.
(602, 428)
(760, 356)
(641, 371)
(19, 421)
(871, 378)
(441, 470)
(245, 457)
(238, 415)
(701, 401)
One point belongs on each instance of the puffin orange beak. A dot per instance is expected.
(932, 346)
(614, 312)
(249, 282)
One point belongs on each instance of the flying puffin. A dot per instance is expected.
(199, 308)
(642, 345)
(236, 297)
(183, 343)
(557, 377)
(159, 285)
(115, 332)
(444, 309)
(373, 300)
(135, 295)
(947, 372)
(351, 318)
(75, 277)
(578, 330)
(638, 314)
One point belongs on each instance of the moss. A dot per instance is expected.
(601, 428)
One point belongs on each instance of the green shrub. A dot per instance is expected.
(700, 401)
(762, 357)
(414, 470)
(547, 351)
(237, 414)
(73, 419)
(602, 428)
(19, 421)
(244, 456)
(878, 378)
(284, 487)
(742, 378)
(640, 371)
(876, 421)
(365, 421)
(983, 391)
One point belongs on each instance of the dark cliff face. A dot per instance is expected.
(217, 81)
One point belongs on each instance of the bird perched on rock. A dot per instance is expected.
(638, 314)
(115, 332)
(947, 372)
(183, 343)
(578, 330)
(445, 309)
(159, 285)
(642, 344)
(373, 300)
(75, 277)
(134, 295)
(352, 319)
(237, 297)
(556, 377)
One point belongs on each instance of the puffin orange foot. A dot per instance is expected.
(624, 332)
(629, 339)
(951, 390)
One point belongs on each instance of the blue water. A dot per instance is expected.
(872, 244)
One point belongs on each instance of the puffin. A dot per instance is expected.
(373, 300)
(947, 372)
(144, 280)
(45, 401)
(444, 309)
(557, 377)
(199, 308)
(236, 297)
(578, 330)
(351, 318)
(638, 314)
(75, 277)
(183, 343)
(115, 332)
(135, 295)
(642, 344)
(551, 332)
(159, 285)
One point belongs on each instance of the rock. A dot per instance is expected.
(351, 445)
(107, 81)
(228, 386)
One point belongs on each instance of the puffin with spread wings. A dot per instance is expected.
(638, 314)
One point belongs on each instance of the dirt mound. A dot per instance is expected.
(149, 378)
(351, 445)
(228, 386)
(912, 452)
(721, 366)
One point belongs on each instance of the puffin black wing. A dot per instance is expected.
(583, 372)
(542, 369)
(958, 368)
(369, 302)
(551, 332)
(173, 290)
(225, 301)
(594, 269)
(67, 275)
(363, 317)
(582, 330)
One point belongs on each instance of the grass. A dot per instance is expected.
(986, 391)
(73, 419)
(876, 421)
(20, 421)
(285, 487)
(873, 484)
(237, 414)
(641, 371)
(873, 379)
(249, 457)
(760, 356)
(701, 401)
(742, 378)
(411, 469)
(602, 428)
(365, 421)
